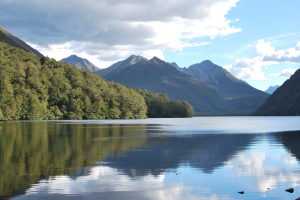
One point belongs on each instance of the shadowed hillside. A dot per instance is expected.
(158, 76)
(284, 101)
(239, 94)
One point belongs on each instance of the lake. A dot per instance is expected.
(182, 158)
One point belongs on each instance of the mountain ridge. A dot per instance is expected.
(225, 83)
(155, 75)
(121, 65)
(79, 62)
(271, 89)
(285, 101)
(21, 42)
(158, 76)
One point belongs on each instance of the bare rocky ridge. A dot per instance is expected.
(121, 65)
(224, 82)
(80, 63)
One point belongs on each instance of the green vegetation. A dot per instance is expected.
(7, 40)
(159, 105)
(11, 40)
(33, 88)
(42, 88)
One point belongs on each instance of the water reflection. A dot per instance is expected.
(291, 141)
(31, 151)
(144, 161)
(204, 152)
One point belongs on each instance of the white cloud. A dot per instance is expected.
(102, 181)
(110, 30)
(248, 68)
(263, 167)
(261, 48)
(264, 55)
(291, 55)
(287, 72)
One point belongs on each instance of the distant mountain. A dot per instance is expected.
(285, 101)
(218, 77)
(20, 42)
(121, 65)
(80, 63)
(238, 93)
(175, 65)
(271, 89)
(160, 77)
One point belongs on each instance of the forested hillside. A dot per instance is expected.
(160, 106)
(20, 43)
(43, 88)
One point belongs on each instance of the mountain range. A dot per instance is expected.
(12, 40)
(216, 92)
(209, 88)
(80, 63)
(271, 89)
(219, 78)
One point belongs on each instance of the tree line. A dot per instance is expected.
(33, 88)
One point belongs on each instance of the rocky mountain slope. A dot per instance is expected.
(218, 77)
(80, 63)
(121, 65)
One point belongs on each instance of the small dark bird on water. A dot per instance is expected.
(290, 190)
(241, 192)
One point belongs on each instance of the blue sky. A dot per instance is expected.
(274, 22)
(257, 41)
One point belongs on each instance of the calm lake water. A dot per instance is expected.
(186, 158)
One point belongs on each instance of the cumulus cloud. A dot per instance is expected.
(263, 167)
(261, 48)
(291, 55)
(264, 55)
(108, 183)
(125, 27)
(287, 72)
(247, 68)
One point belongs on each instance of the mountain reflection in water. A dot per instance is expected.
(79, 159)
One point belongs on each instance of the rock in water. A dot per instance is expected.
(290, 190)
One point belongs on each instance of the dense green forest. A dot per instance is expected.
(159, 105)
(42, 88)
(34, 88)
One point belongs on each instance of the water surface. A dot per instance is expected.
(189, 158)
